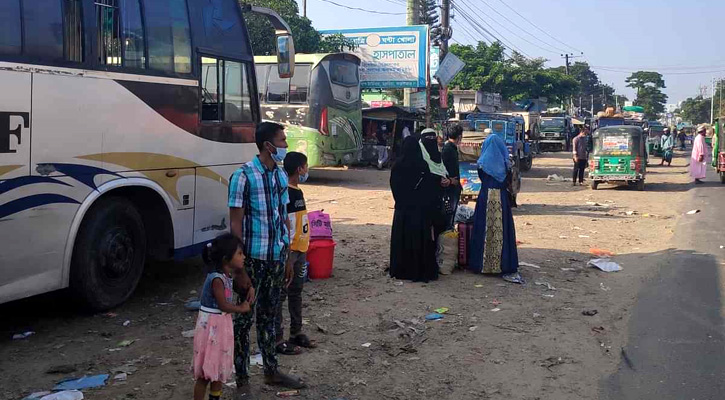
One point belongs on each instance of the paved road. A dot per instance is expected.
(676, 343)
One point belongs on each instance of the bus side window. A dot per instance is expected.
(43, 29)
(299, 85)
(169, 37)
(10, 34)
(277, 88)
(262, 74)
(210, 89)
(133, 34)
(237, 100)
(73, 27)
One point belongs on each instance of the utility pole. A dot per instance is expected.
(413, 13)
(304, 8)
(567, 56)
(592, 106)
(445, 26)
(712, 103)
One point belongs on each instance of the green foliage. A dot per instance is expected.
(261, 32)
(515, 78)
(336, 43)
(695, 110)
(649, 94)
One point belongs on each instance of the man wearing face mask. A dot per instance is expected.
(258, 198)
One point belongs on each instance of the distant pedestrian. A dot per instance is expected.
(382, 145)
(682, 136)
(667, 143)
(450, 160)
(213, 359)
(406, 132)
(698, 164)
(580, 155)
(295, 164)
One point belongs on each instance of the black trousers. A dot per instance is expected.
(578, 172)
(293, 295)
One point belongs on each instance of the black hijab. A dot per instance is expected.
(407, 171)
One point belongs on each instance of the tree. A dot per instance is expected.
(695, 110)
(336, 43)
(649, 94)
(484, 69)
(261, 32)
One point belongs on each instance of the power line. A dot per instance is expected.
(622, 71)
(665, 68)
(535, 26)
(480, 30)
(361, 9)
(505, 41)
(557, 50)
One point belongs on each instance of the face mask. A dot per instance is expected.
(303, 178)
(280, 153)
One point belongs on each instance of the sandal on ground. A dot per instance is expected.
(303, 341)
(283, 380)
(288, 349)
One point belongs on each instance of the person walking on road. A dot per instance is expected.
(493, 241)
(450, 160)
(681, 136)
(580, 155)
(698, 164)
(667, 143)
(258, 198)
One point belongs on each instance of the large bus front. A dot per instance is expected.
(320, 107)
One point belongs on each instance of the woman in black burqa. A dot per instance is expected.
(418, 217)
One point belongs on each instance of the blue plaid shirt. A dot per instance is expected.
(263, 195)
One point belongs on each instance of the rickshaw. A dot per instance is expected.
(619, 156)
(718, 143)
(510, 128)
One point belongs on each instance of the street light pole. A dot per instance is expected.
(712, 103)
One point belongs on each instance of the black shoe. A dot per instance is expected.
(699, 182)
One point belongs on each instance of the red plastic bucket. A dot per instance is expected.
(321, 255)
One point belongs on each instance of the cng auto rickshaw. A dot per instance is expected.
(654, 140)
(718, 151)
(619, 156)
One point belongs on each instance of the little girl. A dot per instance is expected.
(213, 359)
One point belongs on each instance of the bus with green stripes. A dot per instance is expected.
(320, 107)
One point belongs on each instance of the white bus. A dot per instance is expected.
(114, 148)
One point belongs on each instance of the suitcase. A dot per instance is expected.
(464, 237)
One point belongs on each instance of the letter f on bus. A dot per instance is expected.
(5, 130)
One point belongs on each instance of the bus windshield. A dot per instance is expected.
(552, 123)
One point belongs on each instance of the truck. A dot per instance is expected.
(555, 133)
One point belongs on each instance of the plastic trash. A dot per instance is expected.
(64, 395)
(256, 359)
(464, 214)
(590, 313)
(288, 393)
(600, 252)
(693, 212)
(127, 323)
(473, 328)
(433, 317)
(547, 284)
(495, 309)
(85, 382)
(555, 178)
(125, 343)
(366, 345)
(441, 310)
(37, 395)
(525, 264)
(188, 334)
(605, 264)
(120, 377)
(24, 335)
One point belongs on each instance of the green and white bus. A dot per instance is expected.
(320, 106)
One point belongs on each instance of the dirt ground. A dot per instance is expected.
(498, 341)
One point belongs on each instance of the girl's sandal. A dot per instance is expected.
(288, 349)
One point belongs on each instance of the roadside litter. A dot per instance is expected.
(127, 323)
(693, 212)
(64, 395)
(495, 309)
(366, 345)
(125, 343)
(605, 265)
(551, 296)
(85, 382)
(473, 328)
(590, 313)
(464, 214)
(24, 335)
(600, 252)
(605, 288)
(256, 359)
(433, 317)
(188, 334)
(547, 284)
(555, 178)
(288, 393)
(120, 377)
(441, 310)
(525, 264)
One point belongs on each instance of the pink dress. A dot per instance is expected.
(698, 169)
(214, 337)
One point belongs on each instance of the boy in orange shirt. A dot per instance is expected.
(295, 164)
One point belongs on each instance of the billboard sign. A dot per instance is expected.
(448, 68)
(394, 57)
(418, 99)
(435, 54)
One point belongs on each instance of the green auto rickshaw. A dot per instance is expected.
(619, 156)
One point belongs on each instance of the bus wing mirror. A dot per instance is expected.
(285, 56)
(285, 43)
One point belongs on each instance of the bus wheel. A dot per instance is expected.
(640, 185)
(109, 254)
(722, 177)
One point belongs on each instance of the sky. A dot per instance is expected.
(617, 37)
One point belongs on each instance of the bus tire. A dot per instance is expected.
(109, 254)
(722, 177)
(640, 185)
